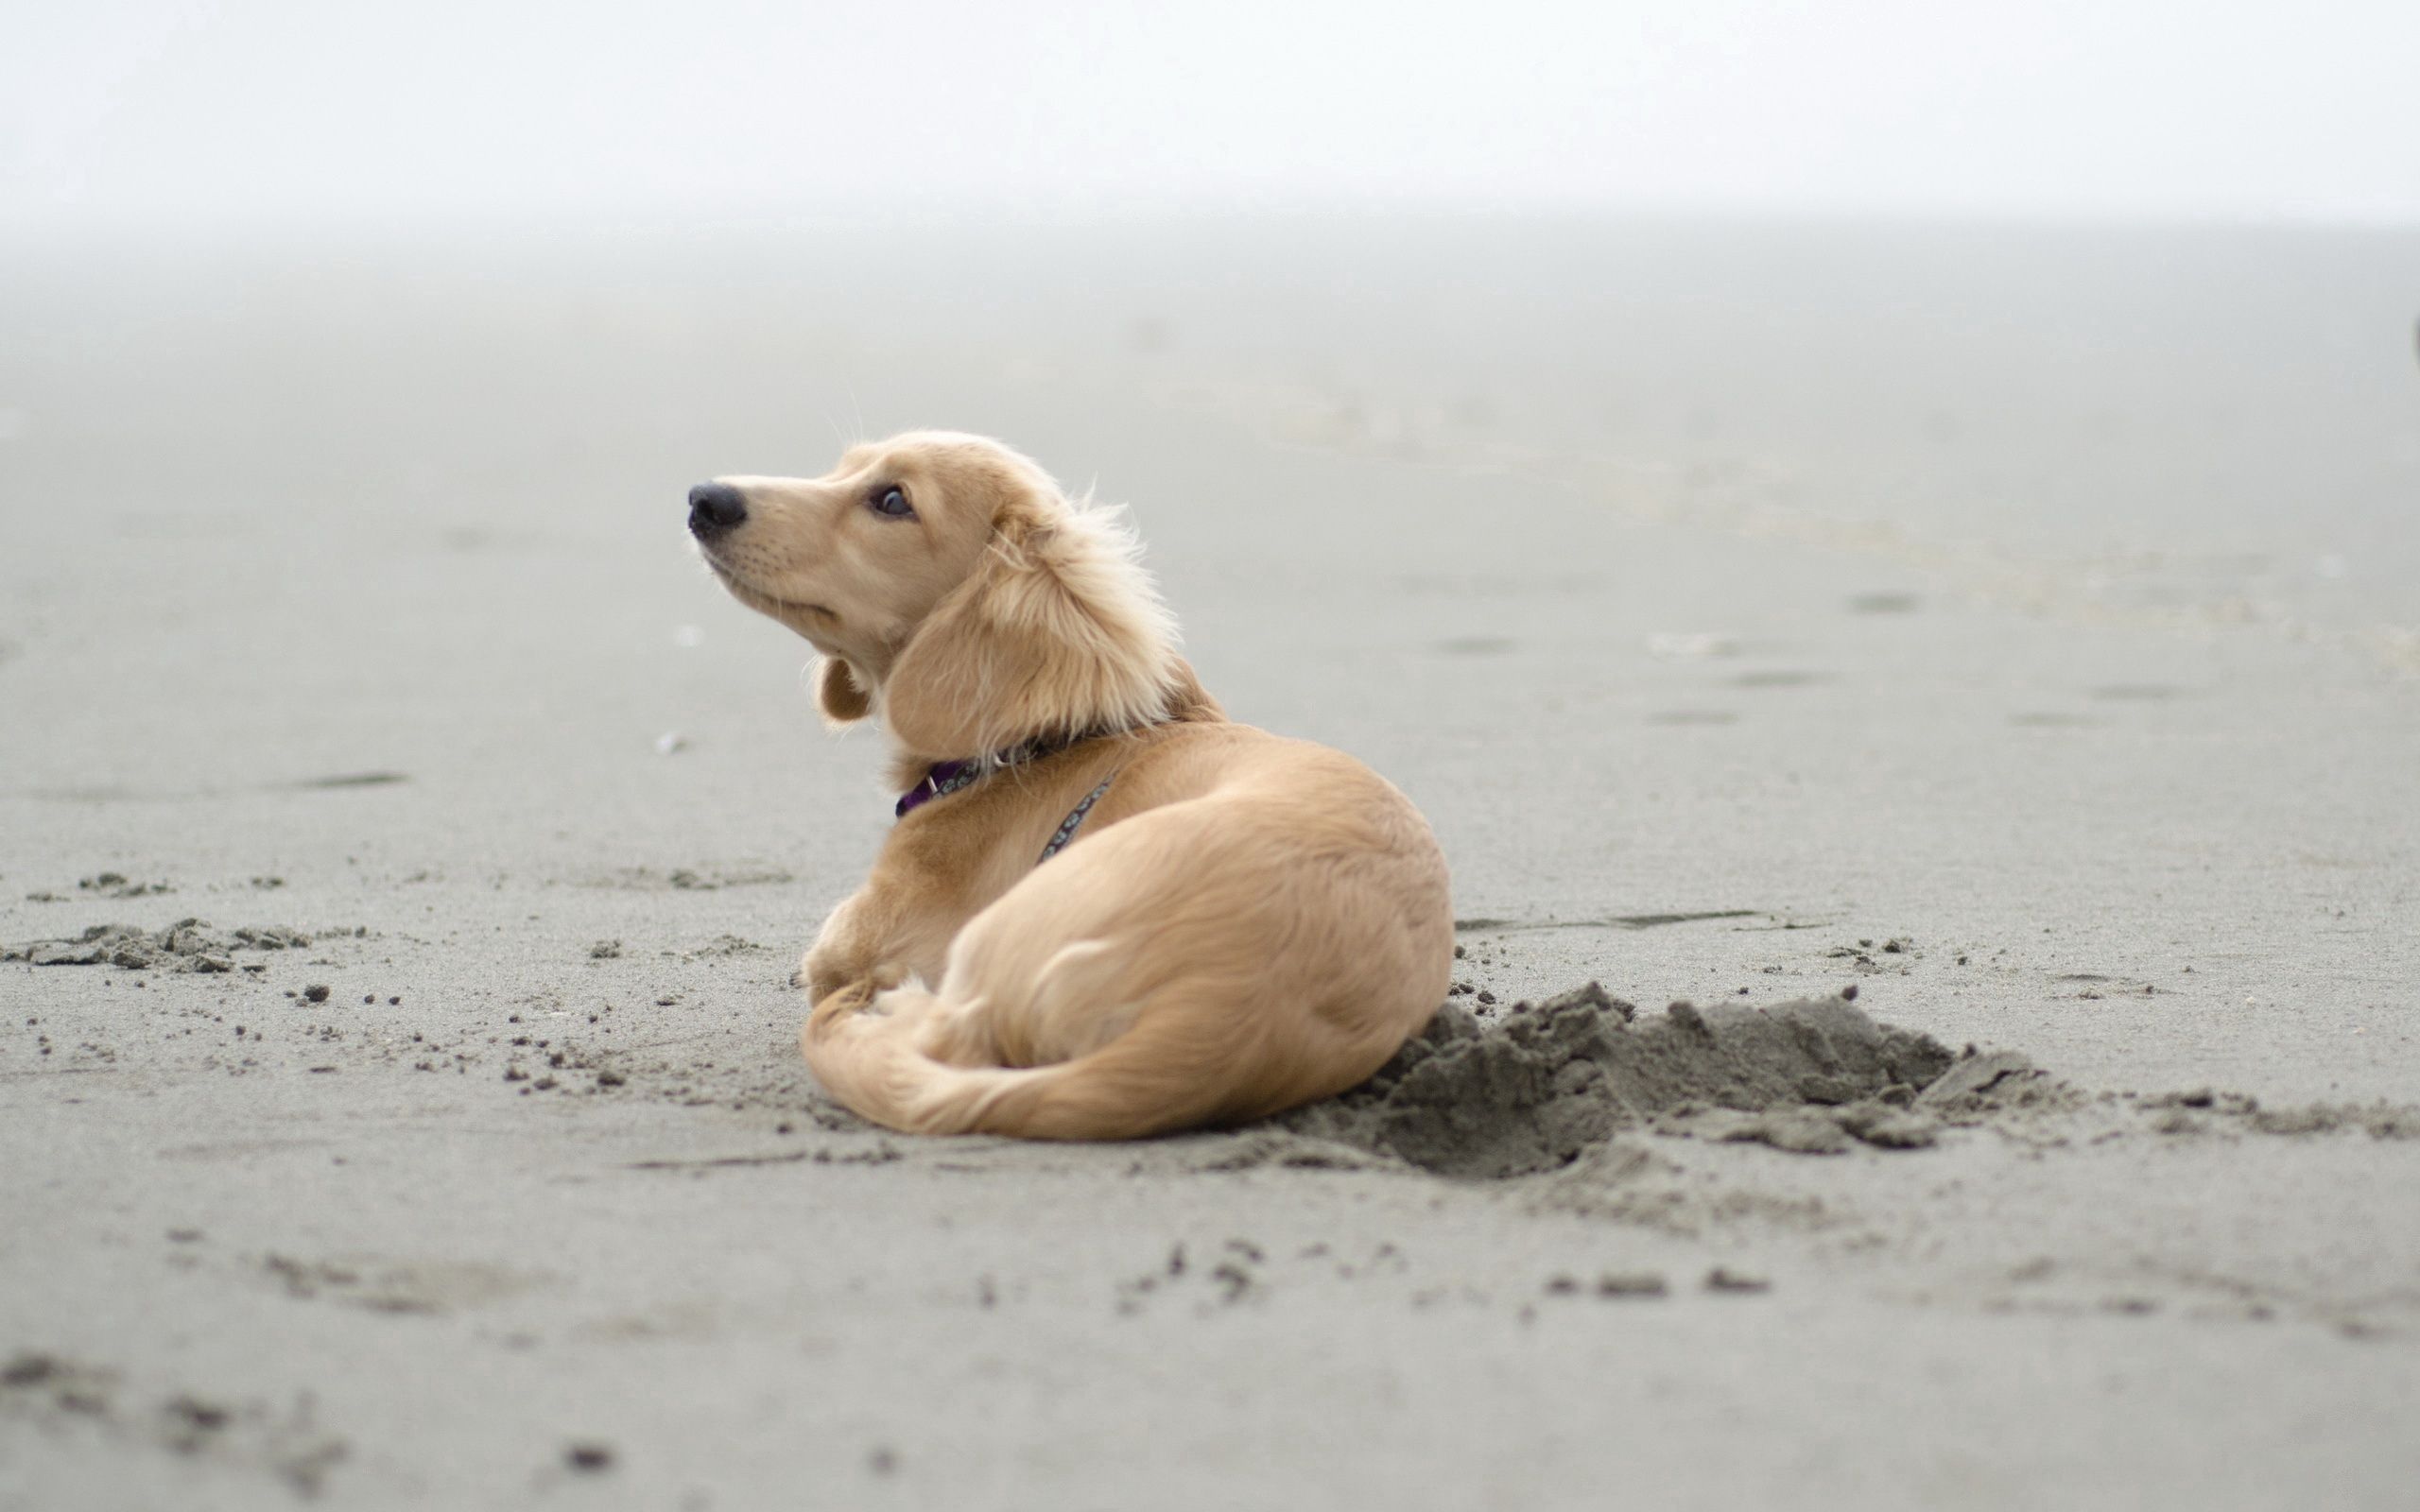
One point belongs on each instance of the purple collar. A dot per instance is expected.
(944, 778)
(939, 778)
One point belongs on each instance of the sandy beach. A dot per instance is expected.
(404, 847)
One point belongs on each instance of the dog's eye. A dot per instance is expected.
(890, 499)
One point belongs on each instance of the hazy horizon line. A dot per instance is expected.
(537, 224)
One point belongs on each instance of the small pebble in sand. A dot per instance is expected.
(1723, 1278)
(670, 743)
(590, 1457)
(1629, 1284)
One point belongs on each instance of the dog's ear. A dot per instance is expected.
(844, 699)
(1058, 632)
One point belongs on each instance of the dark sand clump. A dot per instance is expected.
(1546, 1081)
(187, 945)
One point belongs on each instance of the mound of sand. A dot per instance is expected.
(187, 945)
(1534, 1088)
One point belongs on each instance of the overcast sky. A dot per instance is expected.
(158, 113)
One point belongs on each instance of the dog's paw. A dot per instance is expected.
(840, 1005)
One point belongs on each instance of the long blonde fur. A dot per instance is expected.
(1058, 632)
(1242, 923)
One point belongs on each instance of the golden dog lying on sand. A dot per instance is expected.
(1105, 912)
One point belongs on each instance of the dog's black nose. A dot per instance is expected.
(715, 507)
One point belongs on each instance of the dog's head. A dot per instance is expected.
(947, 581)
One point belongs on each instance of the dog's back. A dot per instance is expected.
(1261, 922)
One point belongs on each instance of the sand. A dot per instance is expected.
(1548, 1083)
(403, 851)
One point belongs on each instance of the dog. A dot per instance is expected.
(1105, 912)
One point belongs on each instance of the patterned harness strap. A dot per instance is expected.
(1074, 821)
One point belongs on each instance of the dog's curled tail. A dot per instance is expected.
(1161, 1074)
